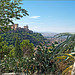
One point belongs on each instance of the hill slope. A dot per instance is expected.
(10, 36)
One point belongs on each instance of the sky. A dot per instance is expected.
(49, 16)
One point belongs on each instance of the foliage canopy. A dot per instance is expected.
(9, 10)
(27, 48)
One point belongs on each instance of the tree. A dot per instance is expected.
(4, 49)
(27, 47)
(18, 51)
(9, 10)
(12, 52)
(42, 58)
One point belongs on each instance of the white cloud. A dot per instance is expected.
(34, 17)
(34, 28)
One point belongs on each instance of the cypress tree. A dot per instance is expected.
(18, 51)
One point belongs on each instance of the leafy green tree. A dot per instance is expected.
(12, 52)
(27, 47)
(42, 58)
(18, 51)
(10, 9)
(4, 50)
(10, 37)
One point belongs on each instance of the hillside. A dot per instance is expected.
(10, 36)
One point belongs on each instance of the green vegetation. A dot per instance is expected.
(27, 48)
(10, 37)
(57, 59)
(65, 52)
(4, 49)
(42, 57)
(10, 9)
(17, 50)
(38, 62)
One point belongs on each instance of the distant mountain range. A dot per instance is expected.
(48, 34)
